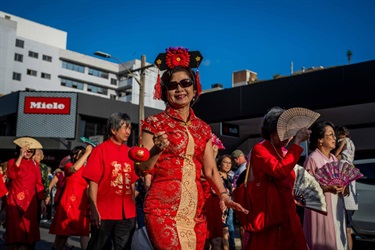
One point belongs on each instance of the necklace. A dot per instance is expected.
(276, 151)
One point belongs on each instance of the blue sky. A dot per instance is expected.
(262, 36)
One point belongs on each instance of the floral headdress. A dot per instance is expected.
(177, 57)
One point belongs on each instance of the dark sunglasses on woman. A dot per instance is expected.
(185, 83)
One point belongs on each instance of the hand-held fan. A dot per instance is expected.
(307, 191)
(27, 141)
(216, 141)
(294, 119)
(88, 141)
(337, 173)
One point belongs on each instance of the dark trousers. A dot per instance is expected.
(120, 232)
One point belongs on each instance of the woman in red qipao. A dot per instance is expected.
(269, 158)
(25, 189)
(71, 218)
(180, 147)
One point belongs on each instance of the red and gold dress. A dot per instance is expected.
(174, 203)
(25, 189)
(71, 217)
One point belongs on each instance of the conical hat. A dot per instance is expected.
(294, 119)
(24, 141)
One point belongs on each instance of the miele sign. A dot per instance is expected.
(47, 105)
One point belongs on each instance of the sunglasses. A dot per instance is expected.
(185, 83)
(30, 151)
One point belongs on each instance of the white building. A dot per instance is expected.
(34, 57)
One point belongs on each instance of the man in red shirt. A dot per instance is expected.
(111, 178)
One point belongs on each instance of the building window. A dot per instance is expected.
(113, 81)
(20, 43)
(98, 73)
(95, 89)
(46, 76)
(16, 76)
(73, 66)
(31, 72)
(71, 84)
(113, 97)
(33, 54)
(47, 58)
(18, 57)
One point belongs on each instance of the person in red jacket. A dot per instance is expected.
(25, 189)
(111, 176)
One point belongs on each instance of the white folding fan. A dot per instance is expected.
(337, 173)
(294, 119)
(27, 141)
(307, 191)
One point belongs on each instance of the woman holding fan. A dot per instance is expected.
(325, 231)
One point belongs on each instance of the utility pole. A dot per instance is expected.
(142, 93)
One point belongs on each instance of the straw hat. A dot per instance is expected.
(294, 119)
(31, 142)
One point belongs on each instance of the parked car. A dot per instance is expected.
(363, 224)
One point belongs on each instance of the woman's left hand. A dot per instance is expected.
(226, 201)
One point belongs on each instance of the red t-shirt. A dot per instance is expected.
(110, 167)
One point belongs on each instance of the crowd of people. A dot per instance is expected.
(181, 197)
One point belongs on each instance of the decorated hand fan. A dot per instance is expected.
(337, 173)
(31, 142)
(307, 191)
(88, 141)
(292, 120)
(216, 141)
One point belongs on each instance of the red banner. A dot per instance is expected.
(47, 105)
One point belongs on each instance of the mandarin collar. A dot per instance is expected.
(175, 115)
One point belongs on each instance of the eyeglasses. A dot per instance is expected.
(185, 83)
(30, 151)
(227, 162)
(332, 135)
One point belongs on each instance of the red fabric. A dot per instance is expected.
(59, 187)
(3, 188)
(165, 195)
(110, 167)
(264, 160)
(22, 205)
(213, 217)
(71, 216)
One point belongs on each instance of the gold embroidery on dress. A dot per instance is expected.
(189, 199)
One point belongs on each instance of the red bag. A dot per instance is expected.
(263, 200)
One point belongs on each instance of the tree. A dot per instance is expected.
(349, 55)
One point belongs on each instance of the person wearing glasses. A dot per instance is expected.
(25, 189)
(180, 147)
(325, 231)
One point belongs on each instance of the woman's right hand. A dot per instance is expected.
(302, 135)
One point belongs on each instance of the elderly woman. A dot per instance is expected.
(180, 146)
(271, 160)
(322, 142)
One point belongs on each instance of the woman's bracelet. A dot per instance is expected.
(224, 193)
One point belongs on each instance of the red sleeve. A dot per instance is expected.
(12, 170)
(3, 189)
(67, 167)
(94, 167)
(264, 160)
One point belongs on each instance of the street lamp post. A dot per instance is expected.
(141, 82)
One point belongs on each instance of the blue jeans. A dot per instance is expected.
(231, 229)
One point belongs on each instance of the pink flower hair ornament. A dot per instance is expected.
(177, 57)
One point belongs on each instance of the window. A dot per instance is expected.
(98, 73)
(113, 81)
(20, 43)
(33, 54)
(46, 76)
(73, 66)
(16, 76)
(71, 84)
(31, 72)
(18, 57)
(113, 97)
(95, 89)
(47, 58)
